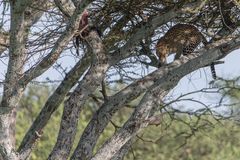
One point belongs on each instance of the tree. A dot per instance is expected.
(41, 32)
(210, 141)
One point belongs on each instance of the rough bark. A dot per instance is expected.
(160, 86)
(136, 122)
(74, 104)
(123, 151)
(13, 90)
(94, 129)
(51, 105)
(65, 6)
(22, 18)
(166, 77)
(55, 100)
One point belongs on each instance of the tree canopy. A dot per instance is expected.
(38, 35)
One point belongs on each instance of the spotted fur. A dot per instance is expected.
(181, 39)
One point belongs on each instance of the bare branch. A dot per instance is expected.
(65, 6)
(61, 43)
(147, 29)
(31, 16)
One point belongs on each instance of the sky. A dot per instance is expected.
(195, 81)
(201, 78)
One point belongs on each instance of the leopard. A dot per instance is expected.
(181, 39)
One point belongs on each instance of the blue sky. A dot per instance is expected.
(195, 81)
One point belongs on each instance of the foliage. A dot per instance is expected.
(217, 141)
(29, 108)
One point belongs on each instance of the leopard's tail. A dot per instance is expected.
(77, 43)
(212, 66)
(213, 71)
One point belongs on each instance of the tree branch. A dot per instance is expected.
(51, 105)
(101, 118)
(133, 125)
(65, 6)
(12, 90)
(148, 28)
(123, 151)
(74, 104)
(167, 78)
(63, 40)
(31, 17)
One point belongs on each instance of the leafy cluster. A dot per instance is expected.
(172, 140)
